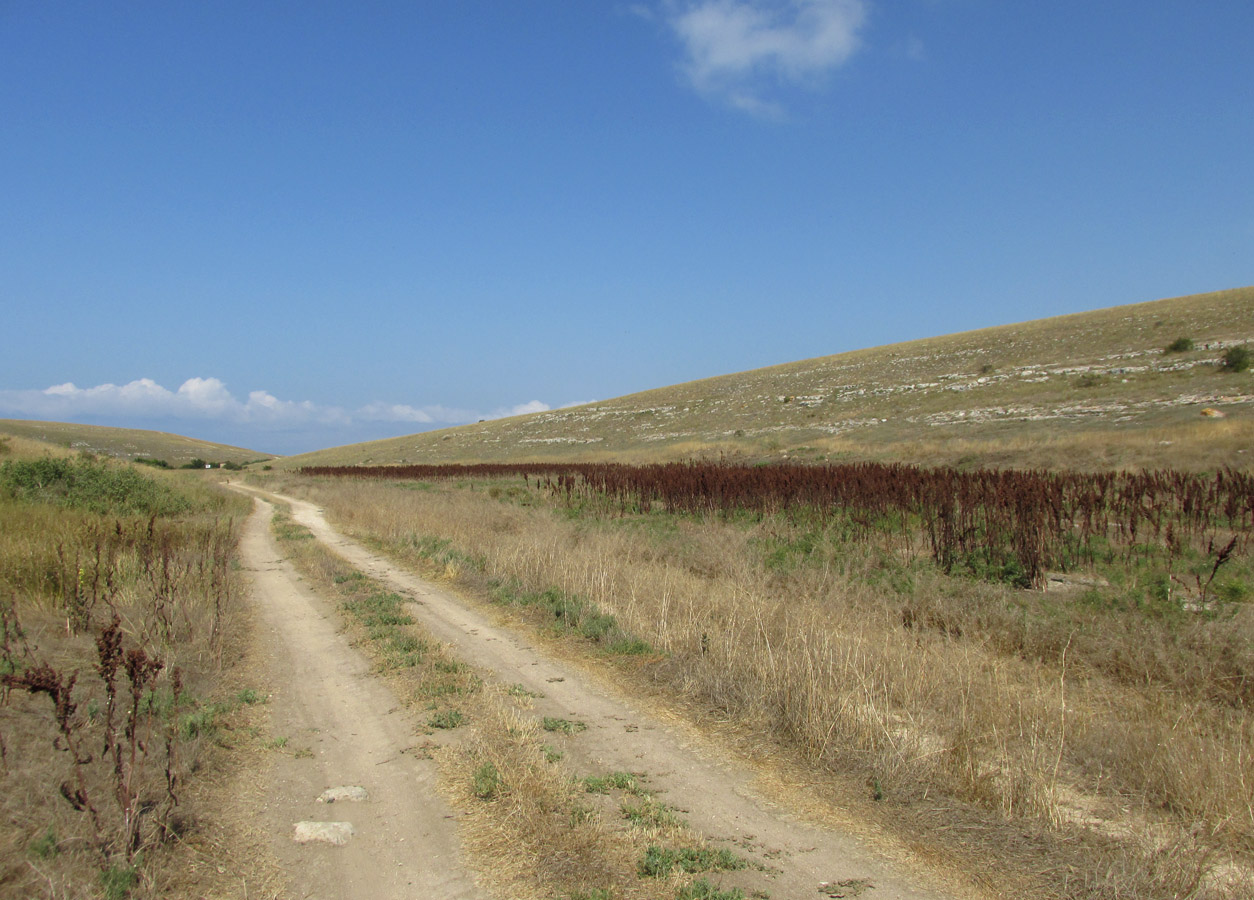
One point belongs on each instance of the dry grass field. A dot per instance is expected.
(1091, 740)
(1094, 390)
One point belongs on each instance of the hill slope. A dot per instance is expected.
(127, 443)
(1090, 390)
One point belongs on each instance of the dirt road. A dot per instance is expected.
(404, 843)
(339, 728)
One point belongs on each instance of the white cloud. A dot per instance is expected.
(520, 409)
(209, 399)
(421, 415)
(737, 49)
(207, 396)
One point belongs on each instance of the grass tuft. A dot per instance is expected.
(562, 726)
(701, 889)
(658, 862)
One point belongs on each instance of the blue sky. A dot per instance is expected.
(290, 225)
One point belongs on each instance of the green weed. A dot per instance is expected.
(562, 726)
(487, 782)
(601, 784)
(701, 889)
(46, 845)
(649, 813)
(658, 862)
(119, 881)
(447, 718)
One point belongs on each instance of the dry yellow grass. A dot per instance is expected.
(821, 659)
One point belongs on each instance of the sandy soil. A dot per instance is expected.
(326, 700)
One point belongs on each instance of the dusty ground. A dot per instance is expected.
(344, 728)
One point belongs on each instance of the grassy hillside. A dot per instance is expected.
(127, 443)
(1091, 390)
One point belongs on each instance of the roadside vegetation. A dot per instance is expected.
(1092, 738)
(118, 612)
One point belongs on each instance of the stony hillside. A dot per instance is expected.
(127, 443)
(1096, 389)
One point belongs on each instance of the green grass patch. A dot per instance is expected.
(562, 726)
(486, 782)
(573, 615)
(701, 889)
(118, 881)
(447, 719)
(204, 721)
(602, 784)
(285, 529)
(46, 845)
(658, 862)
(647, 812)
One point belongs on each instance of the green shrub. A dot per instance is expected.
(89, 485)
(1180, 345)
(1236, 359)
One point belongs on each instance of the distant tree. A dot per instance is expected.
(1180, 345)
(1236, 359)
